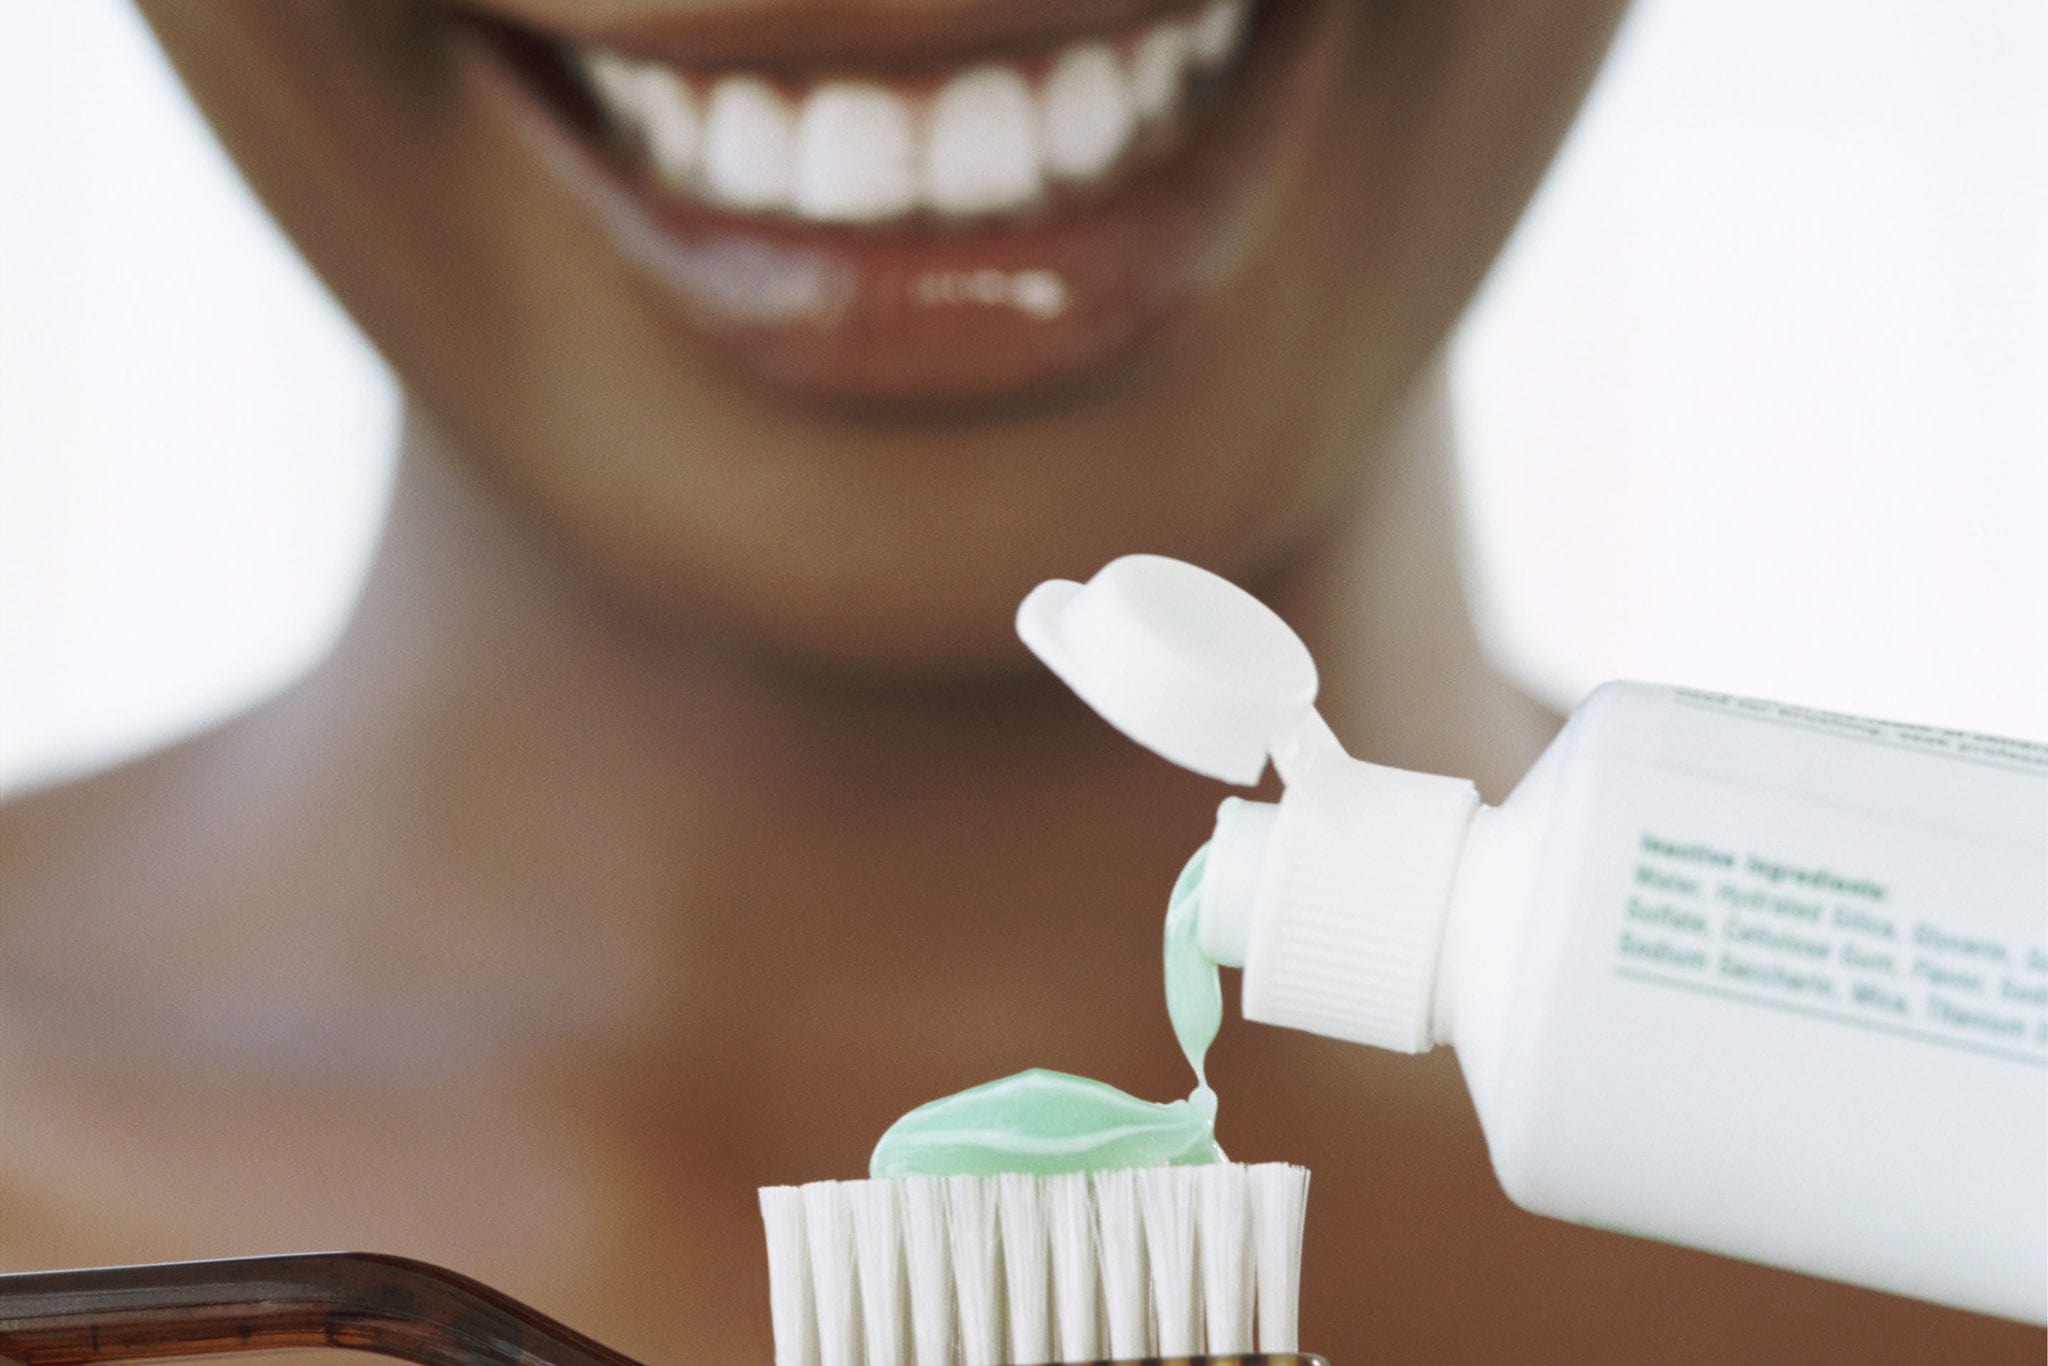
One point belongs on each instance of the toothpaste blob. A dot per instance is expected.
(1043, 1122)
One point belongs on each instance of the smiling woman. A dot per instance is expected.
(1208, 345)
(678, 807)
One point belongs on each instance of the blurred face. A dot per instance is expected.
(836, 326)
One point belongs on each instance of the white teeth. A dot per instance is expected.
(986, 141)
(749, 145)
(616, 80)
(672, 127)
(983, 144)
(657, 107)
(1159, 68)
(1089, 116)
(854, 152)
(1218, 30)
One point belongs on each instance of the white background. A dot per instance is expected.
(1758, 400)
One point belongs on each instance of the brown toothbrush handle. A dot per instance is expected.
(364, 1301)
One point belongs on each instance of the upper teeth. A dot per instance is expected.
(989, 139)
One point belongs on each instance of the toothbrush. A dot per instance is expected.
(986, 1270)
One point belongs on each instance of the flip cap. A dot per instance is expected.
(1189, 665)
(1334, 900)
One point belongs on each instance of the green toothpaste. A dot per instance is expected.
(1045, 1122)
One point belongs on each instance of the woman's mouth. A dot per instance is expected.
(953, 221)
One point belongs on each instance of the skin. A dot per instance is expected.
(678, 810)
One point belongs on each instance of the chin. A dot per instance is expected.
(929, 607)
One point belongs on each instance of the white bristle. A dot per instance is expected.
(1120, 1262)
(1279, 1196)
(977, 1271)
(1166, 1201)
(1224, 1235)
(928, 1261)
(1027, 1267)
(835, 1275)
(789, 1277)
(971, 1204)
(1076, 1296)
(878, 1249)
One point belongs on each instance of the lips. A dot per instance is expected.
(919, 227)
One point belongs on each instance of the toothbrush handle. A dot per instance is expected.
(368, 1302)
(387, 1305)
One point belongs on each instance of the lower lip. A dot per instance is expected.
(922, 318)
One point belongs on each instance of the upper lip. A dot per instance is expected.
(813, 32)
